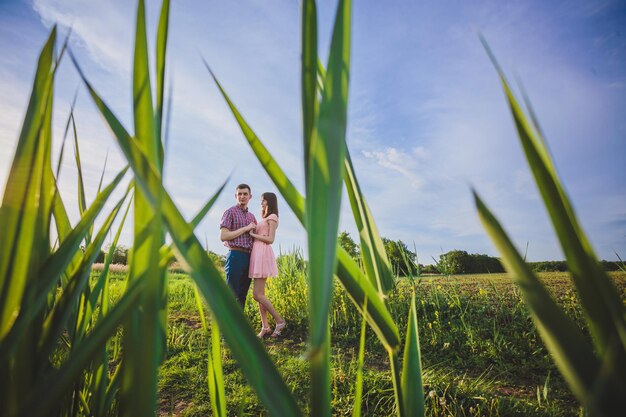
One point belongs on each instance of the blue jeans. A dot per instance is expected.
(236, 267)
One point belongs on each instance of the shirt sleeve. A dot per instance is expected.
(273, 217)
(227, 220)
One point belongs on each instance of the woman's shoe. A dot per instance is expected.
(278, 330)
(264, 331)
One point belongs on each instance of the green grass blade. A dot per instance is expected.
(101, 375)
(162, 34)
(326, 171)
(348, 271)
(215, 377)
(104, 298)
(112, 390)
(207, 206)
(49, 389)
(53, 267)
(64, 308)
(394, 364)
(572, 353)
(144, 118)
(82, 201)
(104, 168)
(244, 345)
(210, 378)
(112, 121)
(61, 219)
(246, 348)
(41, 248)
(66, 131)
(145, 332)
(309, 75)
(100, 288)
(287, 189)
(63, 227)
(374, 256)
(412, 388)
(321, 75)
(216, 369)
(59, 261)
(358, 385)
(167, 253)
(19, 210)
(373, 253)
(359, 288)
(599, 297)
(324, 189)
(60, 214)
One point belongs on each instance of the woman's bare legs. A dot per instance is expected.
(265, 305)
(263, 314)
(265, 326)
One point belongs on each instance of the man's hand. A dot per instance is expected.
(250, 227)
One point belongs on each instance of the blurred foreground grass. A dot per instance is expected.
(481, 353)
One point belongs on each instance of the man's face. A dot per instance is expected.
(242, 195)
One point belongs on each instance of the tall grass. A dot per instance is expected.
(50, 310)
(56, 325)
(594, 369)
(480, 349)
(326, 164)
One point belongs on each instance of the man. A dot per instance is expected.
(235, 227)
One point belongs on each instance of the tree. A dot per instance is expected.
(346, 242)
(460, 262)
(453, 262)
(120, 255)
(402, 260)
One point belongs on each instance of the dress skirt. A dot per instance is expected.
(262, 259)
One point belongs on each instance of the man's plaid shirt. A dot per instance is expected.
(235, 218)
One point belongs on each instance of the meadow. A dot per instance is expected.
(75, 341)
(481, 354)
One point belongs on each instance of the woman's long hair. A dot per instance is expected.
(272, 204)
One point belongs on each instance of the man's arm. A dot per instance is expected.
(226, 234)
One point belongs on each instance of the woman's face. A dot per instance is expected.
(263, 206)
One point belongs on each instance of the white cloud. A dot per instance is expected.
(398, 161)
(102, 28)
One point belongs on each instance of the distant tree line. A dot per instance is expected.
(404, 261)
(455, 262)
(561, 266)
(121, 254)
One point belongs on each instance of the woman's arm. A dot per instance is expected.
(267, 239)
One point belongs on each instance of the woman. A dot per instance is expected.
(263, 263)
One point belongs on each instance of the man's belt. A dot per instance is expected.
(238, 249)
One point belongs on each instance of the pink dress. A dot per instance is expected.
(262, 259)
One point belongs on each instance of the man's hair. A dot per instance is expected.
(272, 203)
(243, 186)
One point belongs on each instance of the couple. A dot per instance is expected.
(250, 255)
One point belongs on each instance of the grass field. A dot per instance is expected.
(134, 343)
(480, 350)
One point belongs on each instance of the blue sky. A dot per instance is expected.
(427, 117)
